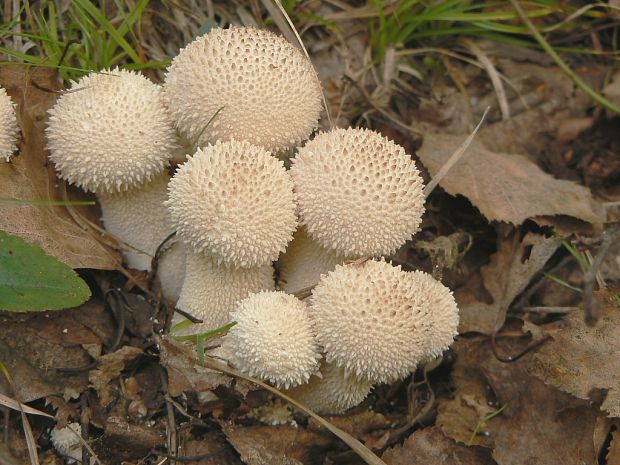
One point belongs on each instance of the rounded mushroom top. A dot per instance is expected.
(111, 132)
(273, 339)
(358, 192)
(267, 90)
(377, 321)
(8, 126)
(235, 202)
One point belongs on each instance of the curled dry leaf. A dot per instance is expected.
(583, 359)
(505, 277)
(430, 446)
(30, 176)
(506, 187)
(278, 445)
(540, 425)
(109, 366)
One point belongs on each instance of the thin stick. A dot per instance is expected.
(493, 75)
(359, 448)
(456, 156)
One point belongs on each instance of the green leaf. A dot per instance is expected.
(30, 280)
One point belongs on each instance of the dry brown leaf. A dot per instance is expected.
(33, 346)
(583, 359)
(278, 445)
(184, 372)
(506, 187)
(429, 446)
(211, 447)
(550, 428)
(122, 441)
(505, 277)
(457, 417)
(30, 176)
(109, 366)
(539, 424)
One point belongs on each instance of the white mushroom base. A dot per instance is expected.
(139, 218)
(210, 291)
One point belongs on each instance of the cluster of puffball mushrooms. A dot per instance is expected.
(239, 101)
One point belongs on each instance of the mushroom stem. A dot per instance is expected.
(138, 218)
(303, 263)
(210, 291)
(331, 391)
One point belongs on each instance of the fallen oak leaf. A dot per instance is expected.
(31, 177)
(506, 187)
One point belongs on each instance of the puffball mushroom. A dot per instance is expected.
(235, 202)
(113, 136)
(304, 262)
(333, 392)
(359, 193)
(210, 291)
(139, 217)
(378, 322)
(273, 339)
(111, 132)
(8, 126)
(267, 90)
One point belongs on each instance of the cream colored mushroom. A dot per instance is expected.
(359, 193)
(378, 322)
(265, 89)
(331, 391)
(273, 339)
(304, 262)
(113, 136)
(235, 202)
(8, 126)
(210, 291)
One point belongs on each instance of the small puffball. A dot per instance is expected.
(304, 262)
(333, 392)
(273, 339)
(235, 202)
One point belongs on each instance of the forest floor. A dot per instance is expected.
(523, 228)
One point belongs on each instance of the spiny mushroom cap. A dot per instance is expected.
(111, 132)
(211, 291)
(376, 321)
(333, 393)
(358, 192)
(273, 339)
(8, 126)
(235, 202)
(267, 90)
(444, 313)
(304, 262)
